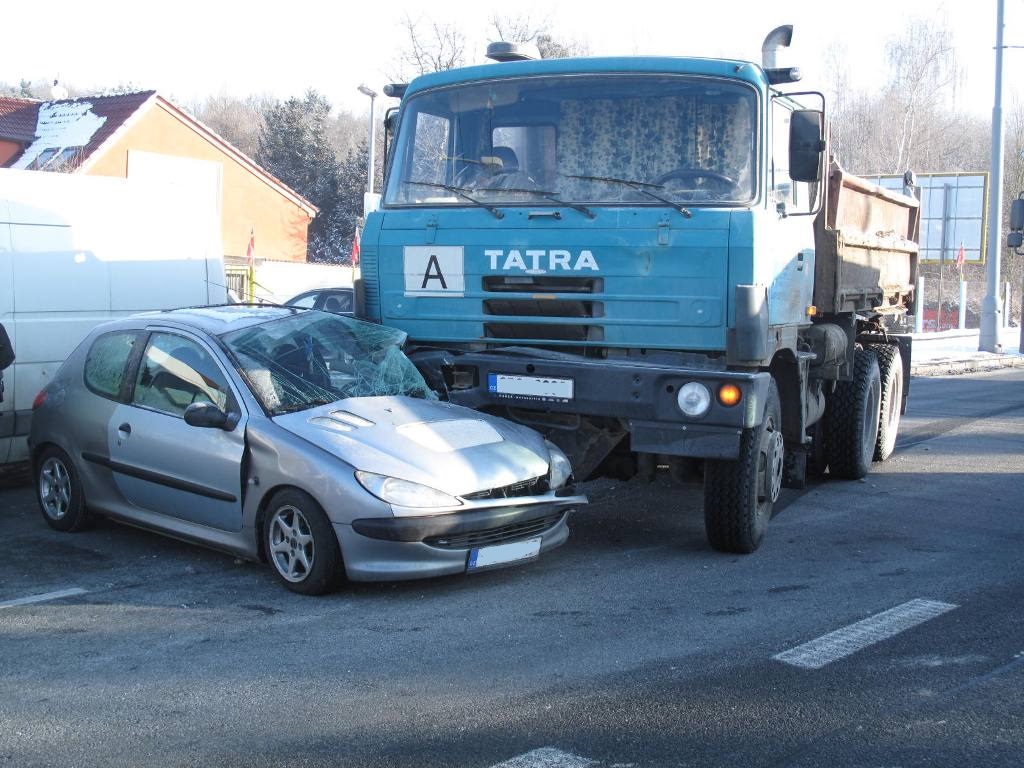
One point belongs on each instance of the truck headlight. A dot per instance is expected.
(405, 493)
(559, 468)
(694, 399)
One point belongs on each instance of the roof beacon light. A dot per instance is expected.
(504, 51)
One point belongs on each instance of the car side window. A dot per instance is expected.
(339, 301)
(106, 361)
(305, 301)
(176, 372)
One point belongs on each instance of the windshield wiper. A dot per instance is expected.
(461, 193)
(640, 186)
(546, 194)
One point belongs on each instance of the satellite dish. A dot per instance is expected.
(58, 91)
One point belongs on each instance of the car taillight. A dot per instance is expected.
(40, 399)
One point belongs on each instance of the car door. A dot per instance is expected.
(164, 465)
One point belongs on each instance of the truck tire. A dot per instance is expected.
(890, 368)
(852, 419)
(738, 495)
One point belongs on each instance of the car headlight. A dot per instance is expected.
(559, 468)
(694, 399)
(404, 493)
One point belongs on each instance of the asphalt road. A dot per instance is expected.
(633, 645)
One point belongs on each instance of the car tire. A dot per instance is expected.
(851, 427)
(739, 495)
(300, 544)
(59, 491)
(890, 368)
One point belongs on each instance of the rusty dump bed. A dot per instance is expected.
(866, 247)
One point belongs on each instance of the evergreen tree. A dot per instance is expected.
(295, 146)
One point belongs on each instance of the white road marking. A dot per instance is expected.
(843, 642)
(547, 757)
(43, 597)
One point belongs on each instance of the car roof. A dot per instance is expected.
(219, 319)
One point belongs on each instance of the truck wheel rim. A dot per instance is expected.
(291, 542)
(55, 488)
(774, 465)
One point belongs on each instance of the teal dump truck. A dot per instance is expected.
(655, 262)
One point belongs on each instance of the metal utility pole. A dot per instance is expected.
(373, 126)
(990, 339)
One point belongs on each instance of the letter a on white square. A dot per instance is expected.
(434, 270)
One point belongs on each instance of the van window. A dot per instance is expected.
(106, 362)
(176, 372)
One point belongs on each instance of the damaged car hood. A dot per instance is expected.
(444, 446)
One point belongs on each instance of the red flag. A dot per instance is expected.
(960, 256)
(355, 248)
(250, 251)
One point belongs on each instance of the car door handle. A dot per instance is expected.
(125, 429)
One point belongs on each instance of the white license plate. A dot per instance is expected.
(502, 554)
(548, 388)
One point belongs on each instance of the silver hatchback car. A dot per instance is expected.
(294, 436)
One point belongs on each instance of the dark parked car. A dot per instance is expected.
(299, 437)
(339, 301)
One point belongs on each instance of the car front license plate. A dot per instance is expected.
(503, 554)
(543, 388)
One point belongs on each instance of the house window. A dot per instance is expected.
(63, 159)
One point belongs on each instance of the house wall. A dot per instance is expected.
(248, 202)
(8, 150)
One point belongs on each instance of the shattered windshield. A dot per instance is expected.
(578, 140)
(314, 358)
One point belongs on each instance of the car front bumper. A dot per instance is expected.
(386, 549)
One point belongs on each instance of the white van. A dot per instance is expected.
(78, 250)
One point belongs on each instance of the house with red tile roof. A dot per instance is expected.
(145, 135)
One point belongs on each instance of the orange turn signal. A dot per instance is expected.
(729, 394)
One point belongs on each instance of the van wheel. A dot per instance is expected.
(59, 491)
(890, 367)
(738, 495)
(852, 419)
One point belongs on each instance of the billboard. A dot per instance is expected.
(953, 212)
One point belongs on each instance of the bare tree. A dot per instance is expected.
(432, 47)
(239, 120)
(523, 29)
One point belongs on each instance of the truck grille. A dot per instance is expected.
(543, 308)
(542, 284)
(543, 332)
(505, 533)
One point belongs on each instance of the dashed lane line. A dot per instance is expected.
(547, 757)
(45, 597)
(858, 636)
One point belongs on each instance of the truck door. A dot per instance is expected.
(162, 464)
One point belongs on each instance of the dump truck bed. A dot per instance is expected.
(866, 248)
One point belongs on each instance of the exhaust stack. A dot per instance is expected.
(777, 39)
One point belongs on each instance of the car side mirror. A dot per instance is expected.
(806, 145)
(209, 415)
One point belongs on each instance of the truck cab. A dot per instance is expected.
(620, 252)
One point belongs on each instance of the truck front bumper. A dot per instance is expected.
(641, 395)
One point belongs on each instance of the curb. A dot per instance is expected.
(957, 367)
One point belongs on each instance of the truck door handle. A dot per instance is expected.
(125, 429)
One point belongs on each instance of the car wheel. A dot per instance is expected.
(301, 544)
(59, 491)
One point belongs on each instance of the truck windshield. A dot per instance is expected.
(579, 139)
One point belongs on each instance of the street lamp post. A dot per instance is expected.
(990, 339)
(369, 163)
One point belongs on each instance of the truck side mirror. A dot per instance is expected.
(806, 145)
(1017, 214)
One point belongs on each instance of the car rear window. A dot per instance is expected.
(106, 361)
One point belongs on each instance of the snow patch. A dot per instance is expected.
(62, 124)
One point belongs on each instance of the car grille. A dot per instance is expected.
(529, 487)
(505, 533)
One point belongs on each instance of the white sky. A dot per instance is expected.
(192, 48)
